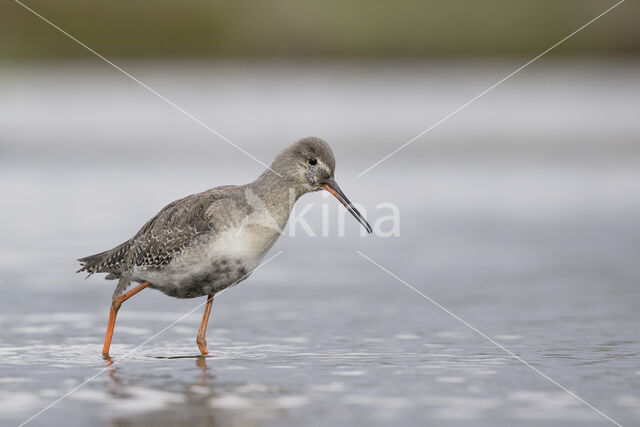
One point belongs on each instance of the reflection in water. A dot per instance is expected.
(201, 362)
(189, 407)
(158, 397)
(116, 383)
(199, 402)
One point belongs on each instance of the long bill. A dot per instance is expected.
(332, 187)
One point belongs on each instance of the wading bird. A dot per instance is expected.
(206, 242)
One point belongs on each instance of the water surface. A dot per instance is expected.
(520, 215)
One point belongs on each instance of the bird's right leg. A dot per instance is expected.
(115, 306)
(201, 339)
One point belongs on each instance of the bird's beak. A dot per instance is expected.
(332, 187)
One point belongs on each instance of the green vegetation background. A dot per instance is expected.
(331, 28)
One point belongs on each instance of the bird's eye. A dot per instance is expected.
(313, 161)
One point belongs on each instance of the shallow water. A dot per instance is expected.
(528, 232)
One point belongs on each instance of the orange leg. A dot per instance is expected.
(201, 339)
(115, 306)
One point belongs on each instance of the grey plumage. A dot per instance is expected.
(208, 241)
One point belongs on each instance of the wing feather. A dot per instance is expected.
(163, 237)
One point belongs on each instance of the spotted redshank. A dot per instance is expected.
(206, 242)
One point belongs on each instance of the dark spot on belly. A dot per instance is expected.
(192, 290)
(219, 276)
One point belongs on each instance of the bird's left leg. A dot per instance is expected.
(201, 339)
(115, 306)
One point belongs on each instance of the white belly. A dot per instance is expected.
(219, 261)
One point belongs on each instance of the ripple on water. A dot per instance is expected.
(138, 399)
(19, 403)
(349, 373)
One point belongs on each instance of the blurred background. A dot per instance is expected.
(331, 29)
(519, 213)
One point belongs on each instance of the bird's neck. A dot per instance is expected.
(276, 194)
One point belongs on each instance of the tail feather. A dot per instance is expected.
(110, 261)
(91, 263)
(106, 262)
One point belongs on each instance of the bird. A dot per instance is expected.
(206, 242)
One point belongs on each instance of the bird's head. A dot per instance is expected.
(309, 165)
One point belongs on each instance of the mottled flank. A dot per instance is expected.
(206, 242)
